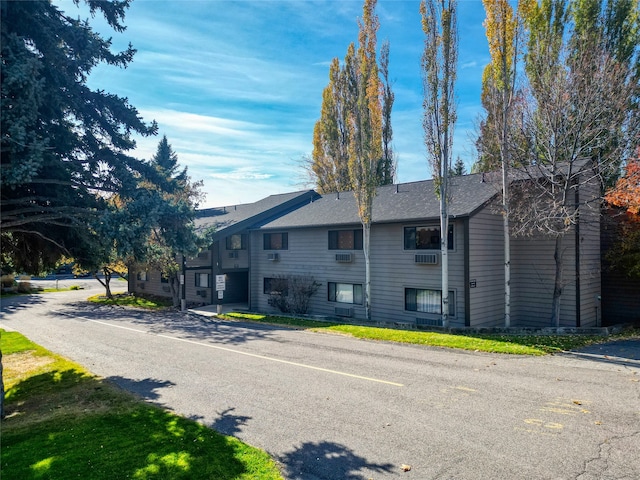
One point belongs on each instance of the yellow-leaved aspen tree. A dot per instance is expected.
(329, 159)
(504, 33)
(439, 67)
(365, 132)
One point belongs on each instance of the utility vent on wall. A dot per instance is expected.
(233, 254)
(427, 258)
(344, 258)
(273, 257)
(141, 286)
(202, 293)
(344, 312)
(166, 289)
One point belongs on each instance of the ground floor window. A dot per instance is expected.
(203, 280)
(345, 293)
(275, 286)
(141, 276)
(427, 301)
(164, 277)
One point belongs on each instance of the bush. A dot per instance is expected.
(24, 287)
(7, 281)
(292, 293)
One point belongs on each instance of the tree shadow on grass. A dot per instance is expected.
(329, 461)
(64, 424)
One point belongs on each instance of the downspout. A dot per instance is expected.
(213, 271)
(577, 247)
(183, 287)
(467, 275)
(249, 269)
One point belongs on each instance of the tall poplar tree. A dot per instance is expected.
(329, 162)
(329, 159)
(365, 132)
(504, 29)
(439, 67)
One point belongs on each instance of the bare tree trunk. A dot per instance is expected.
(557, 286)
(507, 244)
(366, 236)
(174, 283)
(106, 283)
(1, 388)
(444, 245)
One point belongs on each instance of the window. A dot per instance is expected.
(427, 301)
(345, 293)
(345, 239)
(276, 241)
(164, 278)
(237, 242)
(425, 238)
(142, 276)
(275, 286)
(202, 280)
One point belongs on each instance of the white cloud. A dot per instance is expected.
(244, 173)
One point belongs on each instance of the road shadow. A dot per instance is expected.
(618, 352)
(146, 388)
(229, 424)
(329, 461)
(183, 324)
(14, 304)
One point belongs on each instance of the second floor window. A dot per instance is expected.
(345, 240)
(237, 242)
(276, 241)
(425, 238)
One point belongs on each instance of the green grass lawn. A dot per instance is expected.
(511, 344)
(494, 343)
(62, 422)
(126, 300)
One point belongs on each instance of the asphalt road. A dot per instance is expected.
(332, 407)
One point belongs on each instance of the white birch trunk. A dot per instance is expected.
(444, 247)
(366, 236)
(507, 245)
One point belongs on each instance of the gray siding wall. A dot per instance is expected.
(308, 255)
(233, 259)
(151, 286)
(392, 270)
(486, 269)
(590, 268)
(533, 276)
(590, 261)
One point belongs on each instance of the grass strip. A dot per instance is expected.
(63, 422)
(127, 300)
(509, 344)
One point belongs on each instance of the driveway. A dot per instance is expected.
(332, 407)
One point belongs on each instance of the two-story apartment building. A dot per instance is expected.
(320, 236)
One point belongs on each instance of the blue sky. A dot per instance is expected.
(236, 86)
